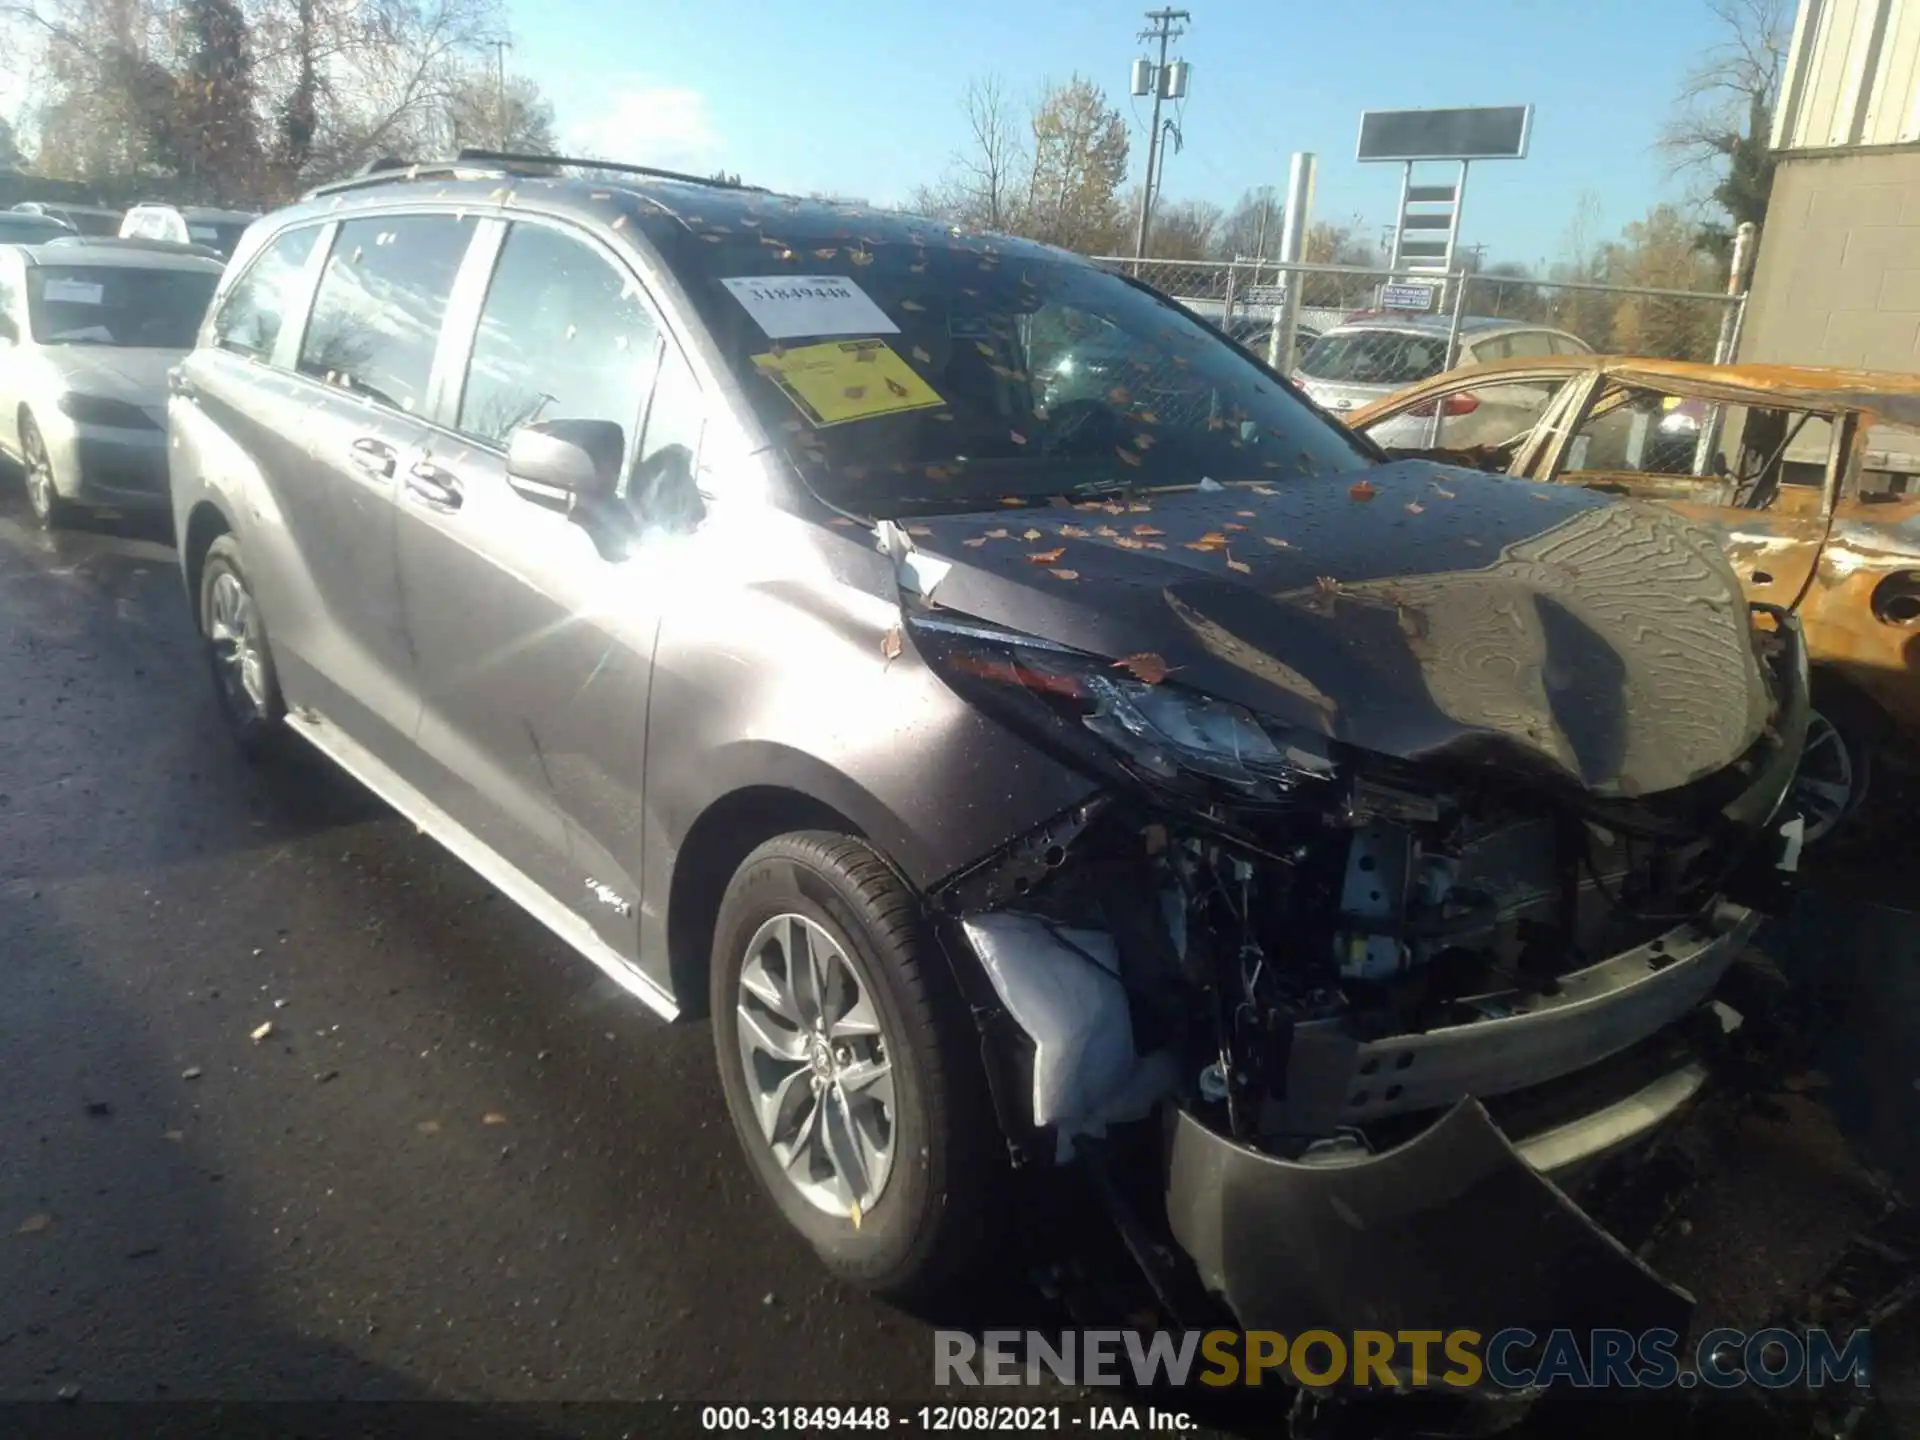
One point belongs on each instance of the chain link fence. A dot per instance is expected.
(1420, 323)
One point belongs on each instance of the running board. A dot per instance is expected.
(485, 861)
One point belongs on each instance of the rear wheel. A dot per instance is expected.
(847, 1068)
(50, 508)
(238, 655)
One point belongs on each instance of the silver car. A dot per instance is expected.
(1364, 360)
(87, 335)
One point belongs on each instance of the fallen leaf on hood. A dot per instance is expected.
(1443, 492)
(1113, 507)
(918, 530)
(1147, 417)
(1213, 537)
(1241, 566)
(974, 541)
(1046, 557)
(1002, 533)
(1263, 489)
(1143, 442)
(1326, 584)
(1118, 395)
(493, 1117)
(1012, 500)
(922, 356)
(176, 1136)
(1475, 544)
(1139, 507)
(1029, 534)
(428, 1127)
(826, 254)
(1073, 532)
(1146, 667)
(1244, 514)
(1541, 495)
(1016, 437)
(938, 472)
(262, 1031)
(1151, 545)
(1200, 545)
(1128, 544)
(34, 1224)
(890, 644)
(1064, 574)
(1361, 490)
(945, 417)
(911, 305)
(860, 257)
(1277, 542)
(1127, 456)
(1106, 532)
(984, 348)
(1414, 507)
(1233, 525)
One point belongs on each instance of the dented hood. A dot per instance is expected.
(1416, 611)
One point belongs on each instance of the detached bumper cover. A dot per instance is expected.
(1451, 1230)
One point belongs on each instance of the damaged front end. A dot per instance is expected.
(1383, 1018)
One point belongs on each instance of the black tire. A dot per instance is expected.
(51, 510)
(255, 723)
(937, 1210)
(1858, 729)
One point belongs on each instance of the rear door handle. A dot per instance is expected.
(433, 487)
(376, 457)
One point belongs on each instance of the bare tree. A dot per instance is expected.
(1723, 116)
(1252, 227)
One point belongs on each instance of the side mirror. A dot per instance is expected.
(558, 463)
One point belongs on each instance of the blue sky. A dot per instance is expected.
(865, 100)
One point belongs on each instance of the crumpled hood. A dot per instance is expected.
(1415, 611)
(137, 375)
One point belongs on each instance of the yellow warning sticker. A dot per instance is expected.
(845, 380)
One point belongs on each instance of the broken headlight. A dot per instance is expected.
(1160, 733)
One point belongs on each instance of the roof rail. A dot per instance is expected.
(508, 160)
(388, 170)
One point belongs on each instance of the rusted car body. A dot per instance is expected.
(1810, 477)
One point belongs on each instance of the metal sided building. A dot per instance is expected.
(1838, 276)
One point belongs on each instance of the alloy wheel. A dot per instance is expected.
(816, 1064)
(233, 628)
(1828, 782)
(42, 494)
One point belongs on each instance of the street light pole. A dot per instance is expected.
(500, 93)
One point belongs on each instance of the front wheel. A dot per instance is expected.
(847, 1067)
(235, 636)
(50, 508)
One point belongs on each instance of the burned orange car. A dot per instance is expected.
(1810, 476)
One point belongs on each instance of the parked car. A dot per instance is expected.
(82, 219)
(87, 334)
(1008, 767)
(140, 242)
(1369, 357)
(1808, 476)
(22, 229)
(188, 224)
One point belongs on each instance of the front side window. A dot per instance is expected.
(563, 336)
(1375, 357)
(1499, 417)
(124, 306)
(255, 309)
(376, 316)
(928, 372)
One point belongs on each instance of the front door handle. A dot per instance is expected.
(433, 487)
(376, 457)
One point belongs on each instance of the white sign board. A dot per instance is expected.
(1406, 297)
(1265, 294)
(788, 307)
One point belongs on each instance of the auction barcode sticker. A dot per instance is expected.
(787, 307)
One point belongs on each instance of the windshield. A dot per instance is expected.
(120, 305)
(30, 229)
(1375, 357)
(941, 373)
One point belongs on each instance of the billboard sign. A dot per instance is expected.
(1490, 132)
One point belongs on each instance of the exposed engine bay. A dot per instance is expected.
(1335, 971)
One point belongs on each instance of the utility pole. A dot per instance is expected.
(1164, 82)
(500, 93)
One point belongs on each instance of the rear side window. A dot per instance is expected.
(255, 309)
(563, 336)
(1525, 344)
(376, 316)
(1375, 357)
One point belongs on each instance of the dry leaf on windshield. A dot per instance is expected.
(1126, 544)
(937, 472)
(493, 1117)
(1073, 532)
(1240, 565)
(1030, 534)
(911, 305)
(1146, 667)
(1213, 537)
(918, 530)
(1118, 395)
(1277, 542)
(1002, 533)
(1414, 507)
(922, 356)
(1105, 532)
(1046, 557)
(984, 348)
(1147, 530)
(1263, 489)
(1064, 574)
(860, 257)
(1127, 456)
(1143, 442)
(1361, 490)
(1474, 544)
(975, 541)
(1151, 545)
(1244, 514)
(1233, 525)
(1443, 492)
(34, 1224)
(1147, 417)
(826, 254)
(890, 644)
(1016, 437)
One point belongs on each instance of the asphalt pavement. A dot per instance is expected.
(294, 1106)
